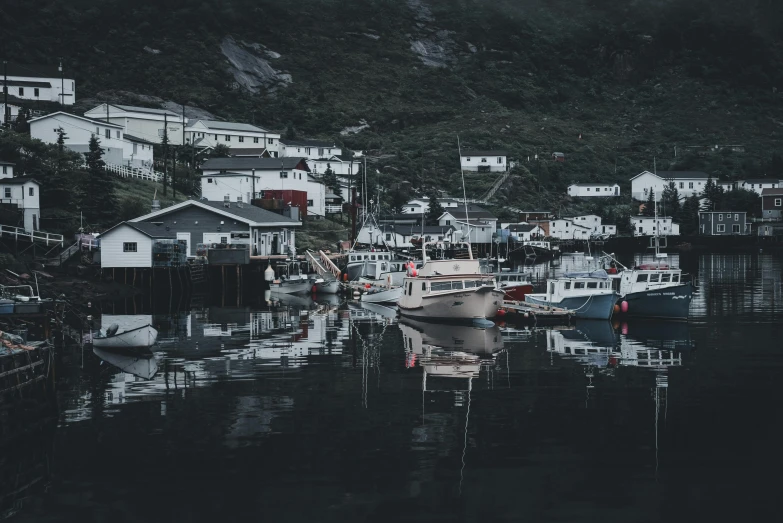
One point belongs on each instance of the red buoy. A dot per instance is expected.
(624, 306)
(501, 312)
(314, 289)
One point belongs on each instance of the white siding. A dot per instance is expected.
(641, 185)
(112, 254)
(212, 137)
(585, 190)
(472, 163)
(649, 226)
(51, 94)
(309, 152)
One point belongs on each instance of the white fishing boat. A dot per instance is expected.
(589, 294)
(292, 280)
(377, 294)
(144, 365)
(324, 286)
(449, 290)
(140, 337)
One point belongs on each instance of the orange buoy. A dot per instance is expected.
(345, 276)
(616, 308)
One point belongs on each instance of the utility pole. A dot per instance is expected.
(165, 152)
(62, 84)
(253, 196)
(5, 92)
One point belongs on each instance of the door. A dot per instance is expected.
(185, 236)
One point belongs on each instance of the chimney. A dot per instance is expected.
(155, 205)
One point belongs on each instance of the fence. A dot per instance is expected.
(31, 236)
(134, 172)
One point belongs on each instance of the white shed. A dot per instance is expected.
(129, 244)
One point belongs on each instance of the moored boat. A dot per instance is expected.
(449, 290)
(376, 294)
(131, 339)
(589, 295)
(654, 290)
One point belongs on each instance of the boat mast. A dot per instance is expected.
(464, 194)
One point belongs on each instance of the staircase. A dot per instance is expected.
(329, 264)
(497, 185)
(64, 256)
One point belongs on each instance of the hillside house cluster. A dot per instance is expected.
(722, 223)
(24, 85)
(756, 185)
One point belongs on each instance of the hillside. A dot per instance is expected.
(636, 80)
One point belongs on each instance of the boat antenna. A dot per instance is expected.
(464, 194)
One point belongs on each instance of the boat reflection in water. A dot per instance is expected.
(143, 364)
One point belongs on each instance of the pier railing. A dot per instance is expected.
(31, 236)
(334, 269)
(134, 172)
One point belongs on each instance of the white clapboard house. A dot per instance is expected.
(243, 139)
(687, 183)
(590, 190)
(143, 122)
(484, 160)
(22, 195)
(32, 83)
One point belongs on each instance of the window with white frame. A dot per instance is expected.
(227, 138)
(735, 228)
(227, 198)
(309, 203)
(255, 139)
(31, 191)
(690, 185)
(7, 192)
(270, 141)
(721, 227)
(500, 159)
(36, 92)
(241, 139)
(720, 217)
(778, 201)
(736, 217)
(130, 247)
(483, 160)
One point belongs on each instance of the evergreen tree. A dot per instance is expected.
(221, 150)
(670, 199)
(713, 195)
(434, 211)
(689, 215)
(21, 125)
(649, 206)
(331, 181)
(290, 132)
(100, 203)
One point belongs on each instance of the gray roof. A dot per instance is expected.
(772, 192)
(521, 227)
(250, 212)
(245, 164)
(484, 152)
(232, 126)
(137, 109)
(36, 71)
(760, 180)
(150, 229)
(594, 184)
(18, 180)
(248, 152)
(683, 174)
(474, 212)
(26, 83)
(132, 138)
(3, 162)
(309, 143)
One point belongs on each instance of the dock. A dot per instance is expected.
(516, 311)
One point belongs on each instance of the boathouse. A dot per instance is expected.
(722, 223)
(772, 203)
(229, 223)
(131, 245)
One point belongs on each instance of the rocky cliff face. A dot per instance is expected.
(252, 72)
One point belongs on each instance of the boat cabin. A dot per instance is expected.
(557, 290)
(361, 257)
(646, 277)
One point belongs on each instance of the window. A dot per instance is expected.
(21, 91)
(241, 139)
(227, 138)
(209, 180)
(568, 285)
(690, 185)
(118, 135)
(5, 169)
(682, 185)
(588, 189)
(675, 278)
(467, 159)
(424, 286)
(499, 160)
(448, 222)
(736, 217)
(35, 92)
(665, 277)
(410, 288)
(735, 228)
(721, 227)
(227, 199)
(135, 148)
(388, 236)
(107, 133)
(321, 153)
(483, 160)
(720, 217)
(7, 192)
(239, 199)
(778, 201)
(307, 150)
(31, 191)
(255, 139)
(129, 247)
(654, 278)
(592, 285)
(270, 141)
(216, 138)
(579, 285)
(283, 174)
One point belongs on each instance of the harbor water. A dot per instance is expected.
(321, 410)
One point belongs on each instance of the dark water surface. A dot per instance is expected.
(331, 412)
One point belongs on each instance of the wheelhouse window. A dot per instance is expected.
(654, 278)
(568, 285)
(675, 278)
(665, 278)
(579, 285)
(129, 247)
(592, 285)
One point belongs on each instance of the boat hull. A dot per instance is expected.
(464, 305)
(592, 307)
(665, 303)
(517, 292)
(382, 296)
(291, 287)
(327, 287)
(128, 340)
